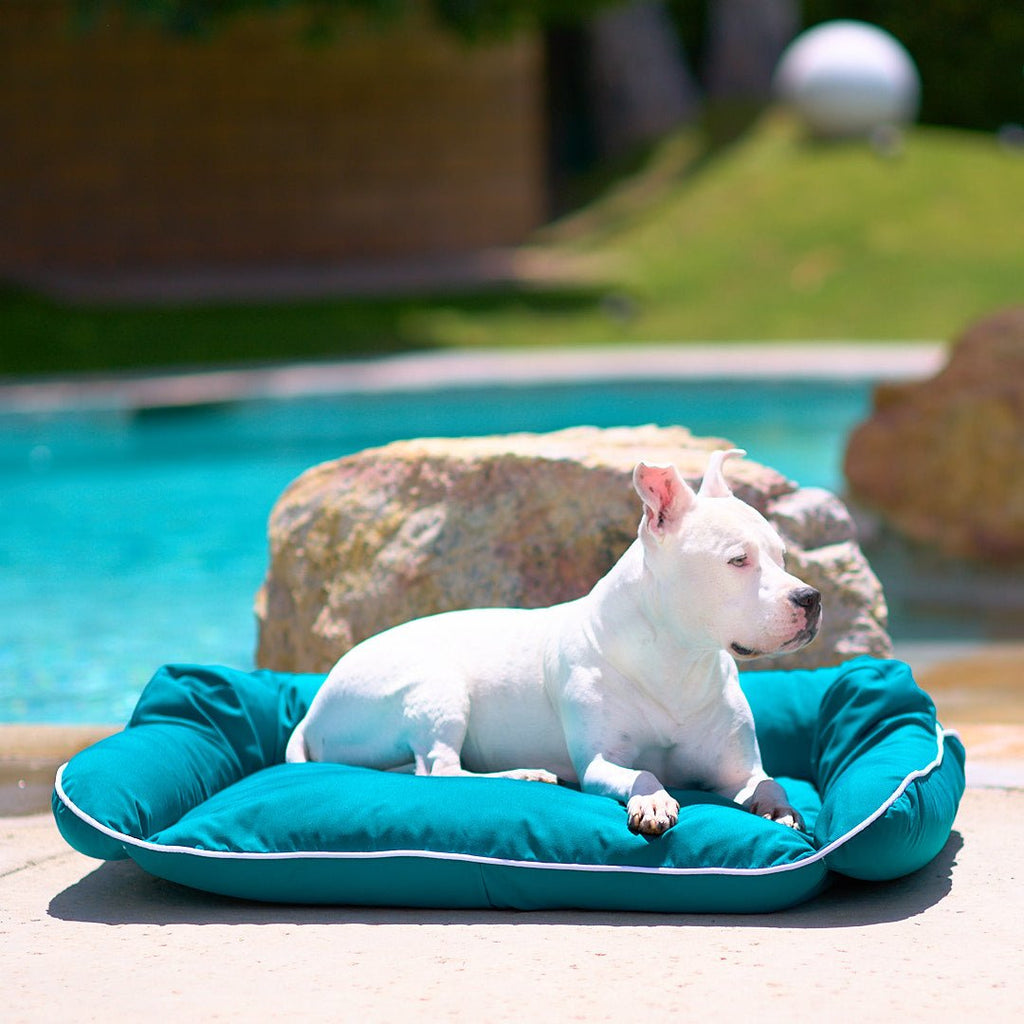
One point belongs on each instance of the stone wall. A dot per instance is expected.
(126, 147)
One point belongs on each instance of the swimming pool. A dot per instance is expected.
(134, 537)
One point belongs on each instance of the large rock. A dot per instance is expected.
(942, 459)
(425, 526)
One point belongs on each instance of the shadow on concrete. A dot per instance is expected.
(119, 892)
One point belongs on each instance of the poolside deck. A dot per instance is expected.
(827, 360)
(943, 944)
(89, 941)
(86, 940)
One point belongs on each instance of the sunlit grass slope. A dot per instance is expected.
(778, 237)
(773, 237)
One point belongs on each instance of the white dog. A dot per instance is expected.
(625, 691)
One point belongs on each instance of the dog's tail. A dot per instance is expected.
(297, 752)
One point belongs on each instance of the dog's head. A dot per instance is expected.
(715, 566)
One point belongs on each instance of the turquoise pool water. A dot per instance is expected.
(133, 538)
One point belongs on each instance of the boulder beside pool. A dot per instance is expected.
(940, 459)
(422, 526)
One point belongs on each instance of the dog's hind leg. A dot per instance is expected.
(444, 759)
(523, 774)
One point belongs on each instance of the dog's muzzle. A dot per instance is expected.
(809, 601)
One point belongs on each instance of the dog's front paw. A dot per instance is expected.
(786, 816)
(769, 801)
(652, 814)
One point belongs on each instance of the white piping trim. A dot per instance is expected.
(813, 858)
(940, 737)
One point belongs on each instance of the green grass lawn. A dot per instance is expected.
(771, 238)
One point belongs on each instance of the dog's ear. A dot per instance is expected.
(665, 494)
(714, 484)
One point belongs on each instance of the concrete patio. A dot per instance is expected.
(85, 940)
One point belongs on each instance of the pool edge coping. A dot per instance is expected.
(488, 367)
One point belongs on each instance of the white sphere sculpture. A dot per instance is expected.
(847, 79)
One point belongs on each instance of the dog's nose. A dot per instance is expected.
(806, 597)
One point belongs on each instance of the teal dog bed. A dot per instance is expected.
(195, 791)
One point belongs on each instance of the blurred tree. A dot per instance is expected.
(617, 76)
(469, 18)
(745, 39)
(616, 81)
(968, 51)
(743, 42)
(638, 81)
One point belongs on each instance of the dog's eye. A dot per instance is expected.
(739, 561)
